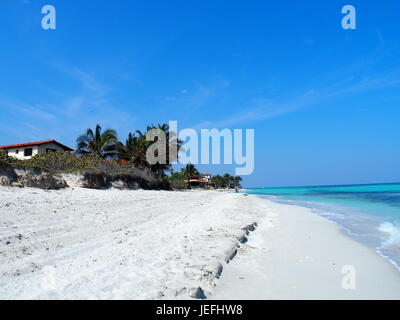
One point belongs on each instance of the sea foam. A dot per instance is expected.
(393, 231)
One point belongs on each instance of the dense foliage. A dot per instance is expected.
(100, 152)
(226, 181)
(107, 146)
(179, 180)
(98, 143)
(190, 171)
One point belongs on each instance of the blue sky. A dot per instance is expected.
(324, 102)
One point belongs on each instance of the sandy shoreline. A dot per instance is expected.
(304, 256)
(113, 244)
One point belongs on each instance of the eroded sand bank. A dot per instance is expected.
(111, 244)
(304, 256)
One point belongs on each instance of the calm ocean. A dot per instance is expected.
(368, 213)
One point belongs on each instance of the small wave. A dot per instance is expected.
(393, 231)
(390, 248)
(358, 223)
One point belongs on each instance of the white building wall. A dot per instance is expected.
(19, 152)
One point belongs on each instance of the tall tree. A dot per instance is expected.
(98, 143)
(173, 142)
(190, 171)
(236, 182)
(226, 181)
(129, 150)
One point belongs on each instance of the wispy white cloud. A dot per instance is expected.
(263, 109)
(63, 114)
(201, 94)
(87, 80)
(34, 111)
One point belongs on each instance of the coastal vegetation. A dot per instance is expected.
(98, 143)
(100, 155)
(226, 181)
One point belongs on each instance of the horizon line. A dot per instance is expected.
(328, 185)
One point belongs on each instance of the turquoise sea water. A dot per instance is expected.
(368, 213)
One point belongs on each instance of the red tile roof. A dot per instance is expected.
(37, 143)
(200, 181)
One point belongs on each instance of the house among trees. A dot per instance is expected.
(202, 180)
(25, 151)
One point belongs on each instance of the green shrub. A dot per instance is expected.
(9, 160)
(56, 162)
(96, 170)
(178, 181)
(3, 156)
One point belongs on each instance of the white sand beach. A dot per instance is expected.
(112, 244)
(302, 256)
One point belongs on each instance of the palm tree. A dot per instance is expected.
(130, 149)
(227, 178)
(218, 181)
(98, 143)
(172, 142)
(236, 182)
(190, 171)
(140, 149)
